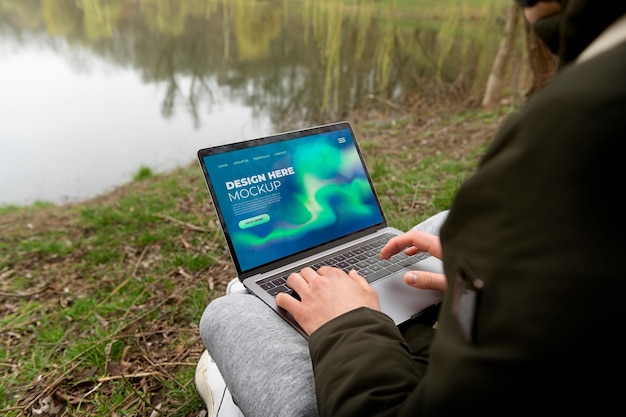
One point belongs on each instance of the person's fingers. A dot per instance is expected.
(412, 242)
(358, 279)
(287, 302)
(426, 280)
(309, 275)
(297, 282)
(324, 269)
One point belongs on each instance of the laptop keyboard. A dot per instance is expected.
(365, 259)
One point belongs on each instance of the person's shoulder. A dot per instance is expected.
(578, 94)
(598, 78)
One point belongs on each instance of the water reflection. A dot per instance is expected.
(94, 89)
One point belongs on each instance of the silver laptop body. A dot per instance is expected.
(299, 198)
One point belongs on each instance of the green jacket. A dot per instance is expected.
(533, 252)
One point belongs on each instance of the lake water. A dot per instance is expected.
(93, 90)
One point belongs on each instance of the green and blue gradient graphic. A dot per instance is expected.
(321, 193)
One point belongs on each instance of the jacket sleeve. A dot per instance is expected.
(363, 365)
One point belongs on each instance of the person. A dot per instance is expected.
(533, 280)
(542, 53)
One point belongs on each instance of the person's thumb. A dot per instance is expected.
(426, 280)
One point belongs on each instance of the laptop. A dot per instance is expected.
(305, 198)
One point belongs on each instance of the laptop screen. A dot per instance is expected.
(285, 194)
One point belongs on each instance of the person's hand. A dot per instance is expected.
(543, 9)
(412, 242)
(325, 295)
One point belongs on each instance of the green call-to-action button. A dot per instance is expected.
(254, 221)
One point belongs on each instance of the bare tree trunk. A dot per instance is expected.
(498, 70)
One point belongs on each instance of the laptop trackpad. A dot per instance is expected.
(400, 301)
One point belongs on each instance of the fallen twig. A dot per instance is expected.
(189, 226)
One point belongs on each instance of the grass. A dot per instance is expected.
(101, 300)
